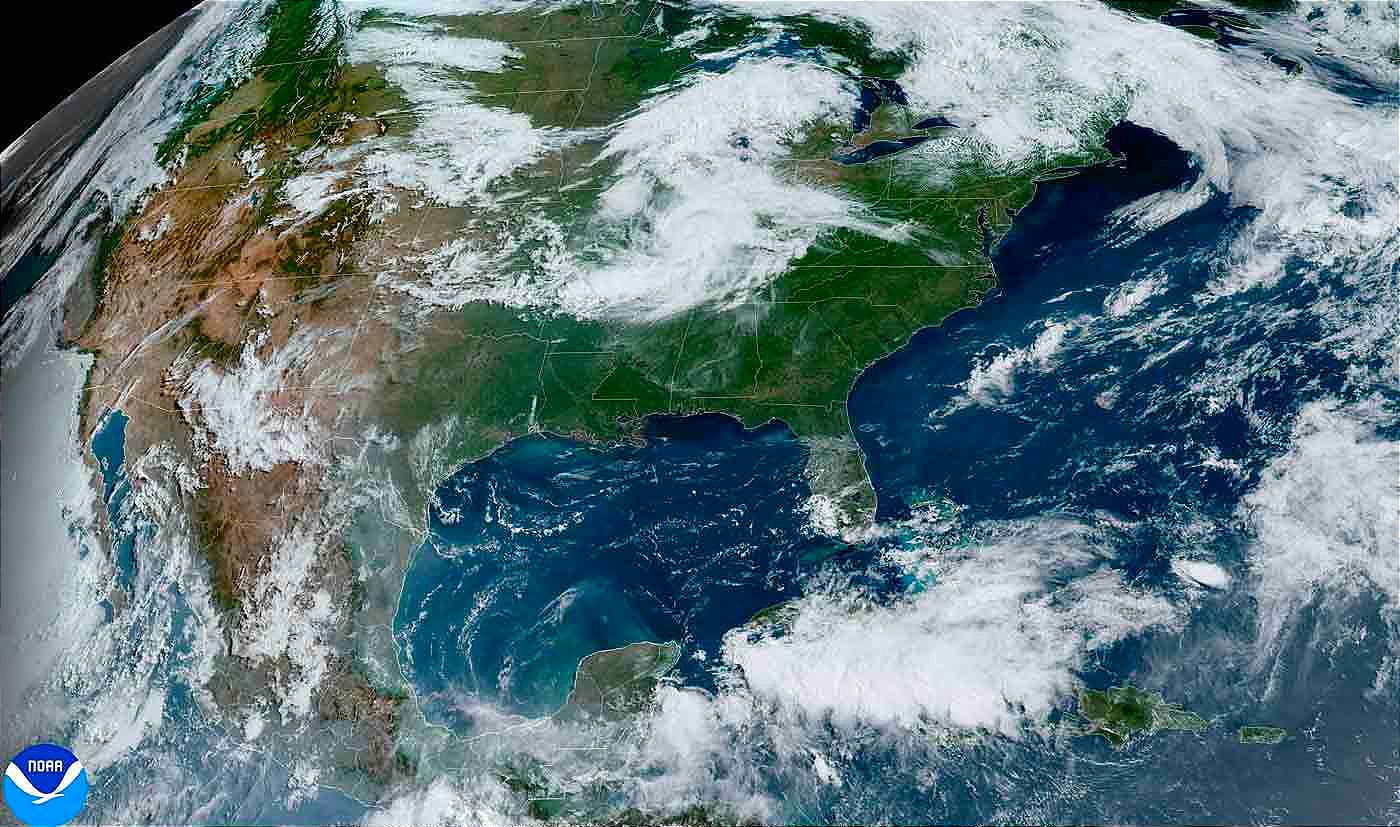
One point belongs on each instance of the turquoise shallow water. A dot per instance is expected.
(548, 550)
(251, 791)
(109, 447)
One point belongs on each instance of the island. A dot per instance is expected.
(1256, 734)
(310, 345)
(1120, 713)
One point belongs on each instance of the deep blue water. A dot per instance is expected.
(879, 149)
(935, 122)
(23, 276)
(558, 550)
(1050, 441)
(548, 550)
(688, 535)
(1114, 427)
(875, 92)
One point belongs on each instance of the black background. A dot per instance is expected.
(53, 47)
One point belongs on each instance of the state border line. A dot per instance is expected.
(539, 41)
(347, 275)
(640, 34)
(403, 113)
(601, 188)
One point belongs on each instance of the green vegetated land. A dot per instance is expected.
(295, 79)
(791, 351)
(574, 68)
(1122, 712)
(1256, 734)
(610, 686)
(616, 683)
(773, 620)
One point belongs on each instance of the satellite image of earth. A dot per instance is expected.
(506, 412)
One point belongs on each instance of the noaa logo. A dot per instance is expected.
(46, 786)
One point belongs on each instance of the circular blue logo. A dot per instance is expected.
(45, 786)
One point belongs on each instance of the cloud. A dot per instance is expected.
(1028, 80)
(1324, 516)
(458, 147)
(994, 379)
(992, 641)
(702, 212)
(486, 802)
(235, 411)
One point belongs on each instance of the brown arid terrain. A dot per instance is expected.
(437, 412)
(323, 346)
(213, 316)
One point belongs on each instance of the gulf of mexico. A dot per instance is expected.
(548, 550)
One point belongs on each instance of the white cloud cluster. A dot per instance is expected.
(121, 670)
(1031, 78)
(458, 147)
(255, 413)
(287, 615)
(994, 380)
(1201, 572)
(993, 641)
(702, 212)
(114, 166)
(486, 802)
(1324, 516)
